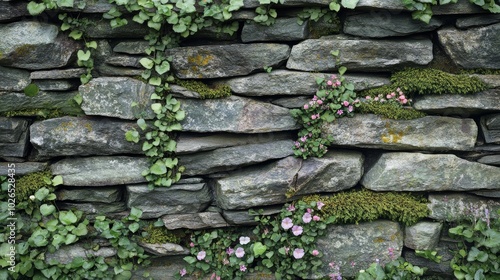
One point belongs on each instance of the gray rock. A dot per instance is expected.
(225, 60)
(475, 21)
(70, 136)
(235, 114)
(57, 85)
(164, 249)
(284, 29)
(488, 193)
(101, 171)
(461, 105)
(378, 25)
(92, 7)
(94, 208)
(34, 45)
(359, 54)
(462, 7)
(194, 221)
(490, 126)
(225, 159)
(291, 102)
(11, 129)
(444, 249)
(23, 168)
(13, 10)
(423, 235)
(429, 172)
(431, 133)
(178, 91)
(58, 74)
(257, 186)
(124, 61)
(483, 40)
(108, 70)
(114, 96)
(13, 79)
(288, 3)
(105, 195)
(131, 47)
(493, 81)
(242, 217)
(102, 29)
(361, 244)
(492, 121)
(459, 206)
(66, 254)
(381, 4)
(178, 199)
(61, 101)
(491, 160)
(162, 268)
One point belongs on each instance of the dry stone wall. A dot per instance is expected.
(238, 150)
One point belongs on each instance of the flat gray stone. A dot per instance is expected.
(493, 81)
(284, 29)
(16, 149)
(164, 249)
(92, 7)
(131, 47)
(235, 114)
(162, 268)
(475, 21)
(73, 73)
(491, 160)
(432, 133)
(105, 194)
(381, 4)
(177, 199)
(429, 172)
(113, 97)
(242, 217)
(57, 85)
(95, 208)
(182, 92)
(12, 10)
(66, 254)
(101, 29)
(359, 54)
(490, 126)
(459, 206)
(12, 79)
(194, 221)
(423, 235)
(462, 7)
(108, 70)
(60, 101)
(124, 61)
(11, 129)
(291, 102)
(483, 40)
(492, 121)
(226, 60)
(487, 193)
(101, 171)
(23, 168)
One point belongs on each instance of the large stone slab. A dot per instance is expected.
(55, 74)
(235, 114)
(431, 133)
(225, 60)
(63, 102)
(18, 148)
(460, 206)
(429, 172)
(361, 244)
(284, 29)
(66, 254)
(225, 159)
(101, 171)
(131, 47)
(178, 199)
(423, 235)
(34, 45)
(164, 249)
(114, 96)
(194, 221)
(70, 136)
(475, 21)
(490, 126)
(109, 209)
(359, 54)
(243, 217)
(102, 29)
(474, 47)
(12, 10)
(106, 194)
(11, 129)
(23, 168)
(12, 79)
(57, 85)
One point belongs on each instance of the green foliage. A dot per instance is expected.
(422, 9)
(365, 205)
(158, 235)
(481, 71)
(40, 114)
(430, 255)
(28, 184)
(205, 91)
(396, 269)
(390, 111)
(31, 90)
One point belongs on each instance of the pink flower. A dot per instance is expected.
(402, 97)
(346, 103)
(320, 204)
(337, 83)
(313, 117)
(243, 267)
(320, 102)
(240, 252)
(376, 98)
(244, 240)
(316, 218)
(191, 244)
(230, 251)
(291, 208)
(393, 94)
(306, 106)
(297, 230)
(350, 109)
(306, 218)
(182, 272)
(388, 96)
(315, 253)
(286, 223)
(309, 210)
(315, 98)
(329, 82)
(404, 101)
(368, 97)
(201, 255)
(340, 112)
(298, 253)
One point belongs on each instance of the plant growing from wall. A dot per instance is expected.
(422, 9)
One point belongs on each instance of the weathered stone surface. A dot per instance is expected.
(101, 171)
(225, 159)
(474, 47)
(458, 206)
(34, 45)
(131, 47)
(257, 186)
(444, 249)
(291, 102)
(113, 97)
(194, 221)
(284, 29)
(23, 168)
(102, 29)
(359, 54)
(92, 7)
(182, 92)
(70, 136)
(225, 60)
(474, 21)
(124, 61)
(242, 217)
(106, 194)
(94, 208)
(381, 4)
(13, 79)
(431, 133)
(491, 160)
(429, 172)
(108, 70)
(12, 10)
(423, 235)
(57, 85)
(11, 129)
(490, 126)
(378, 25)
(462, 105)
(67, 254)
(178, 199)
(492, 121)
(235, 114)
(488, 193)
(493, 81)
(164, 249)
(361, 244)
(284, 82)
(460, 8)
(61, 101)
(337, 170)
(58, 74)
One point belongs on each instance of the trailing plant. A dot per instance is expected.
(28, 184)
(396, 269)
(157, 233)
(431, 255)
(205, 91)
(393, 105)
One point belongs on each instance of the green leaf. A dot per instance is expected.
(36, 8)
(70, 239)
(334, 6)
(41, 194)
(67, 217)
(155, 81)
(83, 56)
(133, 227)
(180, 115)
(349, 4)
(65, 3)
(142, 123)
(342, 70)
(156, 107)
(163, 67)
(190, 260)
(80, 230)
(76, 34)
(46, 209)
(57, 180)
(146, 62)
(132, 136)
(259, 249)
(158, 168)
(78, 99)
(31, 90)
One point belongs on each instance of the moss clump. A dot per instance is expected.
(28, 184)
(480, 71)
(390, 111)
(205, 91)
(365, 205)
(159, 235)
(433, 81)
(40, 114)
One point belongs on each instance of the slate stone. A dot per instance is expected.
(362, 244)
(55, 74)
(492, 81)
(164, 249)
(284, 82)
(381, 4)
(490, 126)
(12, 79)
(92, 7)
(35, 45)
(235, 114)
(429, 172)
(359, 54)
(194, 221)
(423, 235)
(444, 249)
(484, 42)
(177, 199)
(461, 105)
(124, 61)
(57, 85)
(475, 21)
(94, 208)
(66, 254)
(108, 70)
(12, 10)
(374, 25)
(291, 102)
(462, 7)
(491, 160)
(488, 193)
(60, 101)
(284, 29)
(23, 168)
(101, 171)
(182, 92)
(225, 159)
(458, 206)
(113, 97)
(18, 148)
(131, 47)
(492, 121)
(225, 60)
(102, 29)
(105, 195)
(242, 217)
(162, 268)
(432, 133)
(11, 129)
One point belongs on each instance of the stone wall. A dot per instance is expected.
(238, 150)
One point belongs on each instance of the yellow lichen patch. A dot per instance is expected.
(88, 126)
(24, 50)
(378, 240)
(200, 59)
(65, 126)
(392, 136)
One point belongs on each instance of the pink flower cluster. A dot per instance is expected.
(396, 97)
(333, 81)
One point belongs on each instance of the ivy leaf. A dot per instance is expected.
(259, 249)
(31, 90)
(83, 56)
(190, 260)
(80, 230)
(158, 168)
(65, 3)
(180, 27)
(133, 227)
(142, 123)
(155, 81)
(342, 70)
(36, 8)
(163, 67)
(67, 217)
(57, 180)
(334, 6)
(132, 136)
(146, 63)
(46, 209)
(76, 35)
(349, 4)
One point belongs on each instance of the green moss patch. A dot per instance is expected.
(28, 184)
(159, 235)
(205, 91)
(40, 114)
(390, 111)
